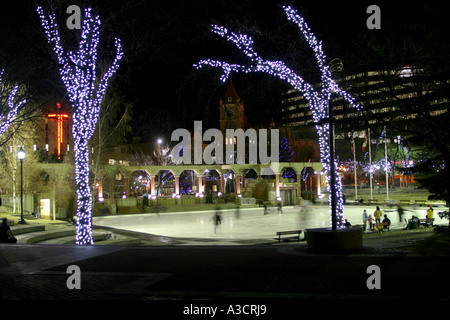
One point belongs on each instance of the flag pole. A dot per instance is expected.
(370, 167)
(386, 163)
(354, 168)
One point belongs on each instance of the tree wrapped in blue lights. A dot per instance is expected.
(318, 99)
(10, 109)
(286, 155)
(85, 87)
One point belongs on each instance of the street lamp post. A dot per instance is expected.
(21, 156)
(158, 157)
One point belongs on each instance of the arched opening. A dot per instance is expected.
(250, 174)
(212, 182)
(309, 183)
(164, 183)
(289, 174)
(267, 173)
(229, 182)
(188, 182)
(139, 184)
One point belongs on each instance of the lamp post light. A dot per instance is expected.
(21, 156)
(159, 141)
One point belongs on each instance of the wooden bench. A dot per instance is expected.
(381, 226)
(426, 222)
(284, 233)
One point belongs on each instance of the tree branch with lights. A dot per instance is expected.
(318, 100)
(12, 107)
(85, 88)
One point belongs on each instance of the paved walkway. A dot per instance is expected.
(222, 273)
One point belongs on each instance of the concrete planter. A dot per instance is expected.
(328, 240)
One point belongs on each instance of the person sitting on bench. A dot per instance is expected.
(386, 219)
(5, 233)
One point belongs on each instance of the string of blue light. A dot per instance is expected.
(13, 108)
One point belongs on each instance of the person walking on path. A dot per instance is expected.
(217, 220)
(365, 218)
(377, 214)
(237, 212)
(400, 212)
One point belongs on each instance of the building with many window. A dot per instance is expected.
(388, 97)
(394, 102)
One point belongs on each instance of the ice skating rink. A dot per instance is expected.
(248, 223)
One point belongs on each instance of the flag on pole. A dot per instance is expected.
(381, 138)
(364, 145)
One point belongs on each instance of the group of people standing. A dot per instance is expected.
(377, 214)
(367, 218)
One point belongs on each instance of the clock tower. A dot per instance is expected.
(231, 110)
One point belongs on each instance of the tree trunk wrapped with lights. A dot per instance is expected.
(85, 90)
(318, 100)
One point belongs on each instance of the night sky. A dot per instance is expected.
(163, 39)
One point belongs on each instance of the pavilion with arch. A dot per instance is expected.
(241, 183)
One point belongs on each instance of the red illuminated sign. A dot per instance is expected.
(60, 117)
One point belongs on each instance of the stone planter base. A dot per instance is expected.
(328, 240)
